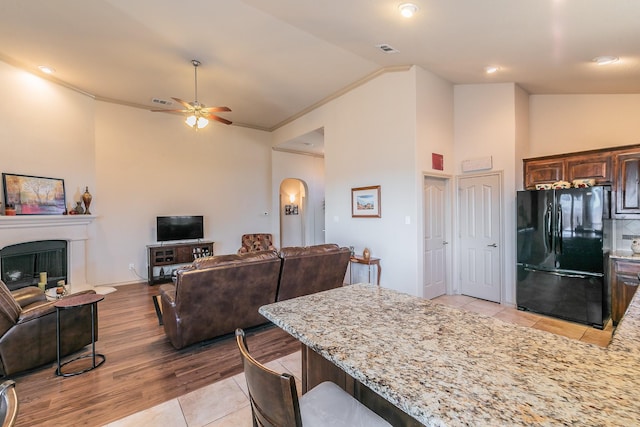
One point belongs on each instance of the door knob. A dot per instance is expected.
(493, 245)
(444, 242)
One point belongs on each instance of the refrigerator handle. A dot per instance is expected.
(547, 228)
(559, 231)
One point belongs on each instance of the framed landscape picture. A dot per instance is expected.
(34, 195)
(365, 202)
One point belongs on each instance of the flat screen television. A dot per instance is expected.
(179, 227)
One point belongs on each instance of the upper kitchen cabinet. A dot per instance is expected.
(596, 165)
(542, 171)
(627, 188)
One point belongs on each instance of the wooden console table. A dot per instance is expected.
(171, 254)
(368, 262)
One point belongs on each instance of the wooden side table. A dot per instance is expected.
(72, 302)
(368, 262)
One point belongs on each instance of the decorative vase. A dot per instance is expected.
(366, 254)
(79, 209)
(86, 198)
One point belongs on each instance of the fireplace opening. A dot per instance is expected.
(22, 264)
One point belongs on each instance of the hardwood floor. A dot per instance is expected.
(142, 369)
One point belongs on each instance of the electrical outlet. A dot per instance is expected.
(132, 266)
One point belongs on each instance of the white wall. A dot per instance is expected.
(569, 123)
(310, 170)
(434, 124)
(137, 165)
(370, 139)
(151, 164)
(46, 130)
(485, 125)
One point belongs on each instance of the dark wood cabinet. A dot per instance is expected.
(163, 259)
(595, 164)
(542, 171)
(624, 283)
(627, 184)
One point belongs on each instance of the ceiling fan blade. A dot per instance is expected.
(170, 111)
(185, 104)
(220, 119)
(215, 109)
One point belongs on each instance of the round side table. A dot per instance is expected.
(74, 301)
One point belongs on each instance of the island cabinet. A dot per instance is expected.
(627, 189)
(624, 283)
(567, 167)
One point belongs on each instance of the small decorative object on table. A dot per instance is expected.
(79, 209)
(86, 198)
(635, 247)
(366, 254)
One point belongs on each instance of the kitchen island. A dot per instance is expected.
(448, 367)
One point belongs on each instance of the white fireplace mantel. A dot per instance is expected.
(33, 221)
(72, 228)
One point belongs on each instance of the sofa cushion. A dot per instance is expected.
(311, 269)
(232, 259)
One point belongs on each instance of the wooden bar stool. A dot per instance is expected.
(275, 403)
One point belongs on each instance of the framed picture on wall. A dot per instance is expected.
(34, 195)
(365, 202)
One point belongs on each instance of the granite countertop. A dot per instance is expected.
(449, 367)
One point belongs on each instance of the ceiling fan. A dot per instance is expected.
(198, 115)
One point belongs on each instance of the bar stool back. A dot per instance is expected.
(275, 403)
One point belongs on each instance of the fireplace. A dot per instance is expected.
(21, 264)
(71, 230)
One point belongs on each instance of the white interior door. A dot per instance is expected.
(435, 254)
(480, 204)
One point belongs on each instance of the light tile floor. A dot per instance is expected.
(230, 407)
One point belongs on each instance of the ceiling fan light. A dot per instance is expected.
(202, 122)
(191, 121)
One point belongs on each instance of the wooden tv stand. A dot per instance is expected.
(169, 256)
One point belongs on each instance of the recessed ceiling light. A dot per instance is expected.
(407, 9)
(47, 70)
(491, 69)
(605, 60)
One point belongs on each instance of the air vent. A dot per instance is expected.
(161, 101)
(386, 48)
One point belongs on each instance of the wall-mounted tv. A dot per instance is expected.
(179, 227)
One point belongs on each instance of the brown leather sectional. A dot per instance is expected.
(216, 295)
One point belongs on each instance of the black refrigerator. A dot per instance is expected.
(562, 241)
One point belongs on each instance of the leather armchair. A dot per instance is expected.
(28, 329)
(256, 243)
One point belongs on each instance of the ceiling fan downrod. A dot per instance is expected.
(195, 63)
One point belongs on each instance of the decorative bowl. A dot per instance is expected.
(583, 183)
(561, 184)
(544, 186)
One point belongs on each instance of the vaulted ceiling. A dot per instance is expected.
(270, 60)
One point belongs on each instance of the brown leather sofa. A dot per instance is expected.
(311, 269)
(216, 295)
(28, 329)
